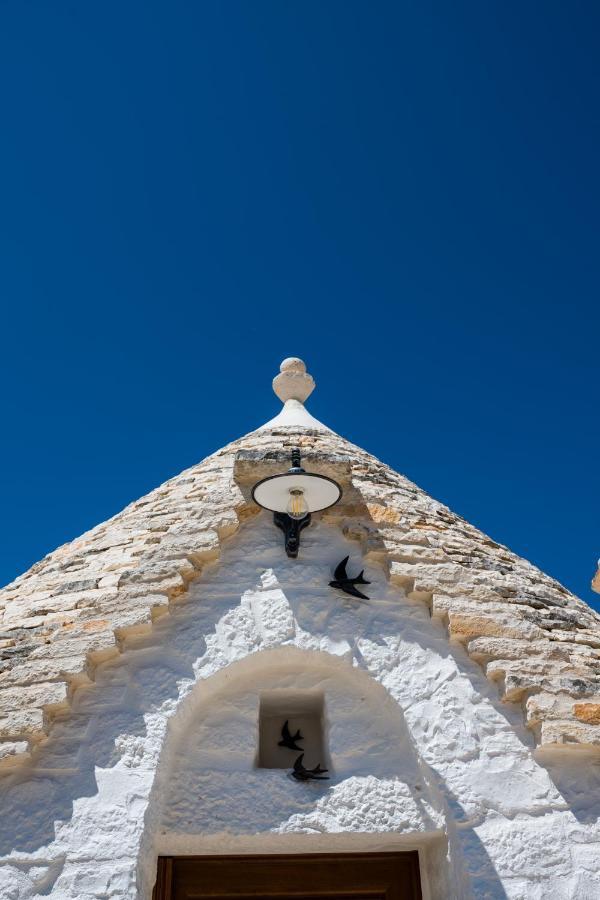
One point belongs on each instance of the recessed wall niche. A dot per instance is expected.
(304, 711)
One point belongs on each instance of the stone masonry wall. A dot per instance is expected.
(159, 756)
(78, 606)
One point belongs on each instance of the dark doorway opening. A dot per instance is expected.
(310, 876)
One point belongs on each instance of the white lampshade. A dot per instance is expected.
(318, 491)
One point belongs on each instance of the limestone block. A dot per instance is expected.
(531, 666)
(50, 668)
(155, 582)
(587, 712)
(135, 620)
(13, 754)
(534, 674)
(582, 636)
(199, 548)
(94, 639)
(569, 732)
(383, 514)
(542, 705)
(44, 694)
(424, 577)
(22, 722)
(464, 626)
(484, 649)
(411, 553)
(518, 682)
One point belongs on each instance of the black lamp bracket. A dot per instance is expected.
(296, 463)
(291, 529)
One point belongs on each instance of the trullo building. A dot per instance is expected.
(155, 673)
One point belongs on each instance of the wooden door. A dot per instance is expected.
(314, 876)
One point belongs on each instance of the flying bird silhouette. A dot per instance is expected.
(289, 740)
(346, 584)
(302, 774)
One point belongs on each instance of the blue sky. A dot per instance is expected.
(405, 194)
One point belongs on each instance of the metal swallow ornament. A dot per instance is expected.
(343, 583)
(288, 739)
(300, 773)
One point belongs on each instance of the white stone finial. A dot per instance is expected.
(293, 385)
(293, 381)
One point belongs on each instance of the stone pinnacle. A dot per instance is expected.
(293, 381)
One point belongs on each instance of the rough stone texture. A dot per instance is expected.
(158, 756)
(78, 606)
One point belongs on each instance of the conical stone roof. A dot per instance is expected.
(78, 606)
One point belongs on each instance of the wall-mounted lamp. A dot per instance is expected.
(293, 496)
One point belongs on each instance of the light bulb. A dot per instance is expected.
(297, 506)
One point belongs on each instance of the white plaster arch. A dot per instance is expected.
(510, 832)
(208, 786)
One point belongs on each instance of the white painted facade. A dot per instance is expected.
(159, 754)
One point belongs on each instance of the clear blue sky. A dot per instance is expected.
(405, 194)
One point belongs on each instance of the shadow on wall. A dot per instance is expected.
(577, 777)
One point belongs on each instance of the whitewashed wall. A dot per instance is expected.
(159, 755)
